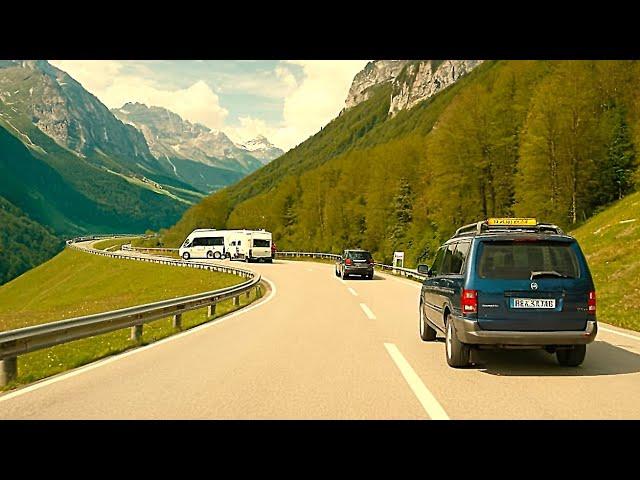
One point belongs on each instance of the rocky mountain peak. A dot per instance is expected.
(261, 148)
(169, 135)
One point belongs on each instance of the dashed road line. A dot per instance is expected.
(353, 292)
(367, 311)
(425, 397)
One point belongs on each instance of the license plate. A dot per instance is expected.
(533, 303)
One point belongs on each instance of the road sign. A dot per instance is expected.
(398, 259)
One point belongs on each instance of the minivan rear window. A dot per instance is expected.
(359, 255)
(519, 260)
(259, 242)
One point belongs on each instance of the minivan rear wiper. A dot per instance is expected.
(548, 273)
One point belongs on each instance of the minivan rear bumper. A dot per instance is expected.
(468, 331)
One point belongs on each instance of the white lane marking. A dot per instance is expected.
(101, 363)
(604, 329)
(353, 292)
(425, 397)
(340, 280)
(309, 269)
(368, 312)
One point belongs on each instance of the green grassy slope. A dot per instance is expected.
(77, 283)
(611, 242)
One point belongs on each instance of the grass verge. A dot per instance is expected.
(611, 243)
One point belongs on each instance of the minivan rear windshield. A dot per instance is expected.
(258, 242)
(527, 260)
(359, 255)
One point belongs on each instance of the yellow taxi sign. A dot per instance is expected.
(513, 222)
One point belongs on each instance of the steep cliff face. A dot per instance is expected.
(374, 73)
(423, 79)
(412, 80)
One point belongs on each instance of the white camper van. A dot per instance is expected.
(205, 243)
(249, 245)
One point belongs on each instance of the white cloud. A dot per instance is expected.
(277, 83)
(114, 87)
(309, 105)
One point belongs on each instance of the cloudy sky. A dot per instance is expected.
(287, 101)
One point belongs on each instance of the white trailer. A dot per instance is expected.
(250, 245)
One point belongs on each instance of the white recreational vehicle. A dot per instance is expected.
(205, 243)
(249, 245)
(244, 245)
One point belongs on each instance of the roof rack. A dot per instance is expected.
(483, 226)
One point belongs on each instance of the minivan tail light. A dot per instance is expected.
(347, 261)
(469, 301)
(591, 302)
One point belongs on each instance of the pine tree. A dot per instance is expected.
(621, 158)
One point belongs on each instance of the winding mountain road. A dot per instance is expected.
(318, 347)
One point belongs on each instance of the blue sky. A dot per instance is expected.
(287, 101)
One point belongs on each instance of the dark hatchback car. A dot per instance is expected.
(509, 283)
(355, 262)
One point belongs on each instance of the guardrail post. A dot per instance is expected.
(211, 310)
(248, 293)
(177, 321)
(257, 291)
(236, 300)
(136, 333)
(8, 370)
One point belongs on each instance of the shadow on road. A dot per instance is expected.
(602, 359)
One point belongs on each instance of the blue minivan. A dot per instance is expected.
(509, 283)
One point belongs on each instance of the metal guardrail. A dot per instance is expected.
(129, 248)
(29, 339)
(405, 272)
(326, 256)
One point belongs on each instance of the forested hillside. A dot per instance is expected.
(23, 242)
(552, 139)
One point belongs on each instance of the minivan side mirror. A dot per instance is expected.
(424, 269)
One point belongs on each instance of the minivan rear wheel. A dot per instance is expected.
(571, 357)
(427, 332)
(457, 352)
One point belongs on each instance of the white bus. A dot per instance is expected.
(205, 243)
(249, 245)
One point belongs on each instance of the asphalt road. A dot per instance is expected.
(318, 347)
